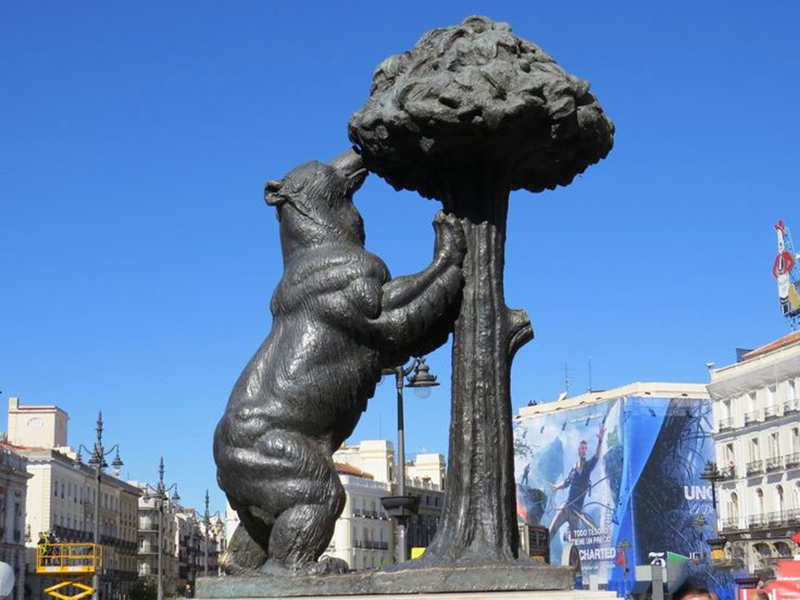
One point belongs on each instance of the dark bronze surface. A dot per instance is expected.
(338, 321)
(469, 114)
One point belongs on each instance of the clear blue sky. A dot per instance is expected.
(137, 257)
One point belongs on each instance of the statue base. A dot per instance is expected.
(383, 584)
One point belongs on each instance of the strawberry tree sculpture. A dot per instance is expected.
(471, 113)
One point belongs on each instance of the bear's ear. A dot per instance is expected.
(271, 192)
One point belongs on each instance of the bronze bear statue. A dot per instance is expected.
(339, 319)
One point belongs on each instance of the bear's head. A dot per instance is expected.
(314, 203)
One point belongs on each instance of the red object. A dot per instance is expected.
(784, 263)
(622, 559)
(796, 538)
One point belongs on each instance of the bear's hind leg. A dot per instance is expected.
(301, 534)
(302, 530)
(288, 497)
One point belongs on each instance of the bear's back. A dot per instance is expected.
(337, 284)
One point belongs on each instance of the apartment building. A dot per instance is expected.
(64, 495)
(157, 523)
(13, 492)
(365, 535)
(757, 445)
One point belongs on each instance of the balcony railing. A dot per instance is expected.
(730, 524)
(774, 463)
(369, 514)
(754, 467)
(793, 515)
(370, 545)
(792, 460)
(756, 522)
(790, 407)
(67, 534)
(778, 517)
(726, 424)
(751, 417)
(770, 412)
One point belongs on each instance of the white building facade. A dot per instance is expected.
(13, 492)
(64, 494)
(156, 523)
(365, 535)
(757, 446)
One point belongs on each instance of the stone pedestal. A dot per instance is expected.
(546, 595)
(489, 581)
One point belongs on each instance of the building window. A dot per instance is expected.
(733, 507)
(775, 445)
(729, 460)
(760, 501)
(755, 453)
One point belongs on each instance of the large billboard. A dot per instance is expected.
(617, 483)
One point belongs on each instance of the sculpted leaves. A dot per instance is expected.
(477, 94)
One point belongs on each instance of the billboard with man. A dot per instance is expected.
(615, 476)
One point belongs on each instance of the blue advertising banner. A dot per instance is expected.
(617, 483)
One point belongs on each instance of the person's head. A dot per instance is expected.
(583, 449)
(696, 594)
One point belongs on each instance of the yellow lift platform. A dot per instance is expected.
(73, 564)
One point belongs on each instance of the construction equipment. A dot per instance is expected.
(72, 564)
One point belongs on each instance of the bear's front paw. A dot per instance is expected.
(451, 244)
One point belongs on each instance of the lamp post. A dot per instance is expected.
(711, 473)
(160, 495)
(97, 460)
(207, 525)
(402, 507)
(717, 545)
(700, 523)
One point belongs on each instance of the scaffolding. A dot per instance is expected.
(73, 565)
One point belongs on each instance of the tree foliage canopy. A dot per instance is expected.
(475, 96)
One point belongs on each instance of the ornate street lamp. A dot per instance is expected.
(207, 525)
(712, 474)
(717, 545)
(160, 496)
(700, 523)
(97, 460)
(401, 506)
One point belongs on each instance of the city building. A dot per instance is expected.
(157, 520)
(614, 478)
(188, 534)
(757, 447)
(63, 495)
(213, 543)
(364, 535)
(13, 491)
(231, 520)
